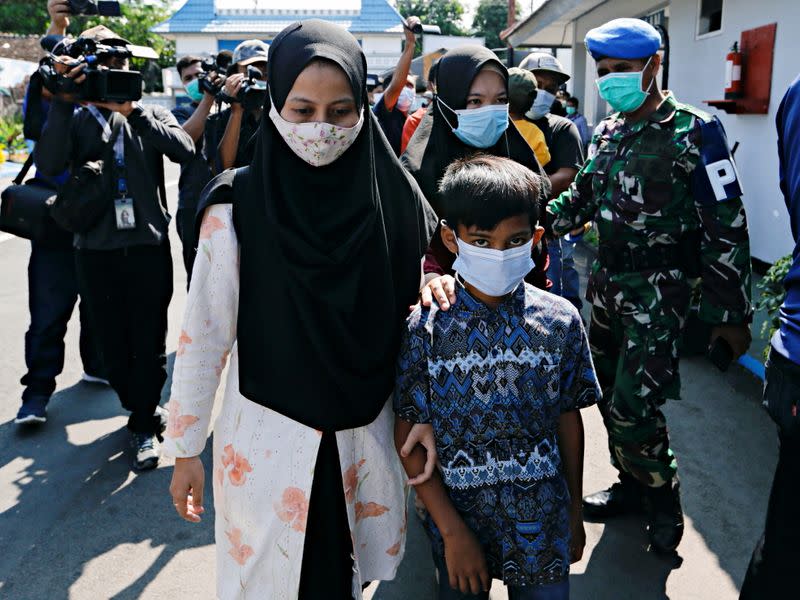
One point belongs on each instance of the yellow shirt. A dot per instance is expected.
(535, 138)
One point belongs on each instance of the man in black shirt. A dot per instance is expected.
(195, 173)
(124, 266)
(229, 134)
(566, 158)
(392, 107)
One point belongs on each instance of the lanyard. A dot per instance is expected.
(119, 150)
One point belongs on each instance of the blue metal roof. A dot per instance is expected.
(199, 16)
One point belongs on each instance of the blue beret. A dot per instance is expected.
(623, 38)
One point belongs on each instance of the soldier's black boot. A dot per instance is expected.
(665, 517)
(626, 497)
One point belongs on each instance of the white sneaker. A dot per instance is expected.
(147, 450)
(92, 379)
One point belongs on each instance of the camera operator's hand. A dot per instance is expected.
(72, 69)
(411, 22)
(59, 16)
(232, 86)
(123, 108)
(216, 80)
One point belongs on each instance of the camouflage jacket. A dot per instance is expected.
(653, 182)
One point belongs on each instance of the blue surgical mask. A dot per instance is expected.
(193, 90)
(541, 105)
(623, 91)
(493, 272)
(406, 99)
(479, 127)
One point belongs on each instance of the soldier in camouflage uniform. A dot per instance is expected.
(661, 186)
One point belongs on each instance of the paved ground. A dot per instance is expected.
(75, 523)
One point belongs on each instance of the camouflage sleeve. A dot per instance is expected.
(725, 242)
(577, 205)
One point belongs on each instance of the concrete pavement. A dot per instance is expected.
(76, 523)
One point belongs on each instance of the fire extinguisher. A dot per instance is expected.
(734, 88)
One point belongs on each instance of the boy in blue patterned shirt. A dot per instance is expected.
(500, 377)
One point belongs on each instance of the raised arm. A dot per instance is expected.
(161, 129)
(54, 149)
(392, 93)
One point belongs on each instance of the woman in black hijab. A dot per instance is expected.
(441, 138)
(308, 261)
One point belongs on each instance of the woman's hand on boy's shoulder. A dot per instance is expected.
(466, 563)
(442, 289)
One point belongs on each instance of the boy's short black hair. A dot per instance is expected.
(187, 61)
(482, 190)
(573, 100)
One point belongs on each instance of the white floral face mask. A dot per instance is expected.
(318, 144)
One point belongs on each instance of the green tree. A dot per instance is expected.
(24, 17)
(444, 13)
(491, 18)
(138, 16)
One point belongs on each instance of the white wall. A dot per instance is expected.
(431, 43)
(697, 73)
(382, 51)
(195, 44)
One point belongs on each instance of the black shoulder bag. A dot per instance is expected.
(85, 197)
(25, 210)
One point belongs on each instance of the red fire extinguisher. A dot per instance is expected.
(734, 88)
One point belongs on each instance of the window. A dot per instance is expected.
(709, 19)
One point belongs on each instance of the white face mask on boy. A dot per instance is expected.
(493, 272)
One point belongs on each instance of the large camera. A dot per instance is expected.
(101, 84)
(103, 8)
(253, 92)
(219, 64)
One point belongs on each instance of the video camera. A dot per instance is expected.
(103, 8)
(218, 63)
(252, 93)
(101, 84)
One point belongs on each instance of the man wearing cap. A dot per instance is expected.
(662, 188)
(239, 123)
(566, 157)
(521, 95)
(123, 261)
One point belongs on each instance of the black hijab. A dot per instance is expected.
(434, 145)
(330, 256)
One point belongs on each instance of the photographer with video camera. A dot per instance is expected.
(201, 86)
(114, 151)
(245, 91)
(52, 280)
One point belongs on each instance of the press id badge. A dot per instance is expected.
(123, 208)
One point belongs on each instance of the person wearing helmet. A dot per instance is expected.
(662, 187)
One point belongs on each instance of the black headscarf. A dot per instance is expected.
(330, 256)
(434, 145)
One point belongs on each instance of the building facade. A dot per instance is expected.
(207, 26)
(701, 32)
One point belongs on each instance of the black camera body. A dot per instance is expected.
(214, 64)
(101, 84)
(103, 8)
(252, 93)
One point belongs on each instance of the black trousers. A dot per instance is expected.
(772, 574)
(127, 293)
(52, 294)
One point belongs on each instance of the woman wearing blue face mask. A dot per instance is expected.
(469, 114)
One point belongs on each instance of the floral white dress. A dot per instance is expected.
(263, 461)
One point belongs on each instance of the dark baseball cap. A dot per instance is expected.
(249, 52)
